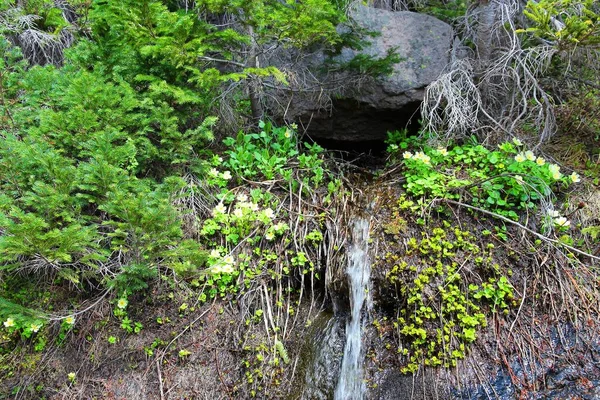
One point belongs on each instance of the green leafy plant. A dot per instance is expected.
(67, 325)
(505, 181)
(441, 311)
(498, 292)
(261, 154)
(183, 353)
(22, 325)
(568, 23)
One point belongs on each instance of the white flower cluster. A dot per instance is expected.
(214, 173)
(555, 171)
(276, 229)
(558, 220)
(10, 323)
(221, 265)
(419, 156)
(553, 168)
(529, 156)
(245, 213)
(243, 207)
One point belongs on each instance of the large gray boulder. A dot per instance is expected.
(343, 106)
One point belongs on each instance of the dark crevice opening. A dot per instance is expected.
(358, 132)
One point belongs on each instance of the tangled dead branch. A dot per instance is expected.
(452, 102)
(497, 98)
(39, 47)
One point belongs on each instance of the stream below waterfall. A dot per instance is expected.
(337, 367)
(351, 384)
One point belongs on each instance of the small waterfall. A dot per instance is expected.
(350, 385)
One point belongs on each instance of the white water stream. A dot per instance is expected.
(350, 384)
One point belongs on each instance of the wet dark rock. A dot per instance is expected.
(326, 349)
(564, 370)
(396, 385)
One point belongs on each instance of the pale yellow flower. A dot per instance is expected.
(269, 236)
(443, 151)
(287, 133)
(407, 155)
(422, 157)
(269, 213)
(70, 320)
(219, 209)
(540, 161)
(9, 323)
(280, 227)
(214, 253)
(555, 171)
(517, 142)
(35, 327)
(226, 175)
(229, 260)
(519, 179)
(122, 303)
(227, 269)
(520, 157)
(562, 222)
(556, 175)
(529, 155)
(575, 177)
(242, 197)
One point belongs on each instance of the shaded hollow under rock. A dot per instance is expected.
(356, 128)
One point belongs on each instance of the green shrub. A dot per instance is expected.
(441, 314)
(84, 178)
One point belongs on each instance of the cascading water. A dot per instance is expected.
(350, 384)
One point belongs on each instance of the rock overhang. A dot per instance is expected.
(341, 107)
